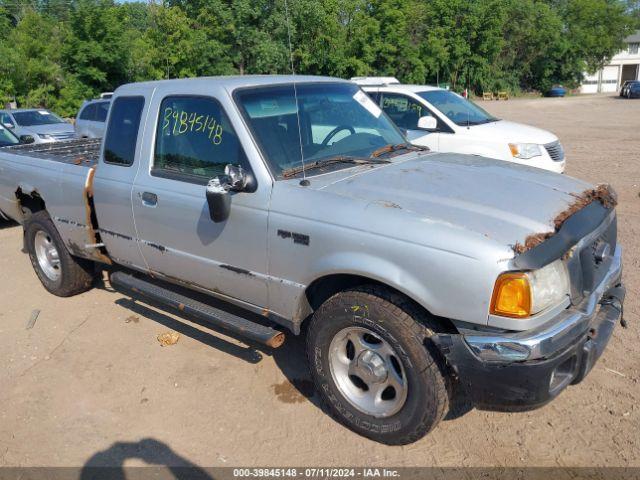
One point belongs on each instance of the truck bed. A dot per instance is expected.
(77, 152)
(61, 174)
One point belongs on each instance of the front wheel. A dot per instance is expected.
(368, 358)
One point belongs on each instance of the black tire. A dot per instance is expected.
(405, 328)
(76, 275)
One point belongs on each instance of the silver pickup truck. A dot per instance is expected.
(414, 276)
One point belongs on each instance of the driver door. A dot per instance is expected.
(405, 112)
(194, 141)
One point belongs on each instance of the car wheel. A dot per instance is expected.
(59, 272)
(372, 367)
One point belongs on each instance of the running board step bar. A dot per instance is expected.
(233, 323)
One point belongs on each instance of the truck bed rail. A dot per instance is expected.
(78, 152)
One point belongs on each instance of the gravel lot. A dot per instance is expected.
(89, 383)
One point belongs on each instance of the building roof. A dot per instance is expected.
(635, 38)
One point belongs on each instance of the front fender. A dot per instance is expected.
(368, 266)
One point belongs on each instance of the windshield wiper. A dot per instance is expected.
(292, 172)
(391, 148)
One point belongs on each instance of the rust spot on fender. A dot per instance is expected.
(602, 193)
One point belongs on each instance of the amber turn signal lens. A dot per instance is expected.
(511, 296)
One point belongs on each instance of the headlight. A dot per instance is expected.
(525, 151)
(44, 136)
(522, 294)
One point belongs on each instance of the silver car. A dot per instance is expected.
(92, 118)
(44, 126)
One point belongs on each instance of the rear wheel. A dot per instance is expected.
(370, 364)
(59, 272)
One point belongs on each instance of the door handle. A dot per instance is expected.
(149, 199)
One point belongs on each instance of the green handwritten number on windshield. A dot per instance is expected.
(167, 118)
(181, 122)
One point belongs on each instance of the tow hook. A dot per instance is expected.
(616, 303)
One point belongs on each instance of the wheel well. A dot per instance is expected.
(33, 201)
(323, 288)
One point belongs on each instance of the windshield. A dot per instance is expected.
(36, 117)
(336, 119)
(457, 109)
(7, 138)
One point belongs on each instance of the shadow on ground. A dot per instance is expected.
(290, 358)
(109, 463)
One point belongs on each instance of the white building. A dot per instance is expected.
(624, 66)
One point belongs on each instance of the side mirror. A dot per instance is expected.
(219, 189)
(27, 139)
(427, 123)
(10, 126)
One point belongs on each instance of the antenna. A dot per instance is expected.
(467, 99)
(304, 181)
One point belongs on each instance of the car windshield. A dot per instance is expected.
(7, 138)
(329, 121)
(457, 109)
(32, 118)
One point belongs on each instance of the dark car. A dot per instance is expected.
(557, 91)
(633, 90)
(624, 90)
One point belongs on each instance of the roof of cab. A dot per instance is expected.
(230, 82)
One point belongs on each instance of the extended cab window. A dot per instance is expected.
(194, 138)
(122, 131)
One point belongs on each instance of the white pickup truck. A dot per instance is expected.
(445, 122)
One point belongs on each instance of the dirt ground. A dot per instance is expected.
(90, 384)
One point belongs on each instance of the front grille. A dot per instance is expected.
(586, 269)
(63, 136)
(593, 268)
(555, 151)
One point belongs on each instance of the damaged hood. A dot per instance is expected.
(499, 200)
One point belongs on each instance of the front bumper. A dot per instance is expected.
(525, 370)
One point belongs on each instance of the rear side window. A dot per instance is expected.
(88, 112)
(122, 131)
(195, 139)
(102, 109)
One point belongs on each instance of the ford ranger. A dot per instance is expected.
(414, 276)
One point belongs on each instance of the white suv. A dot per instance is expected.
(446, 122)
(92, 118)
